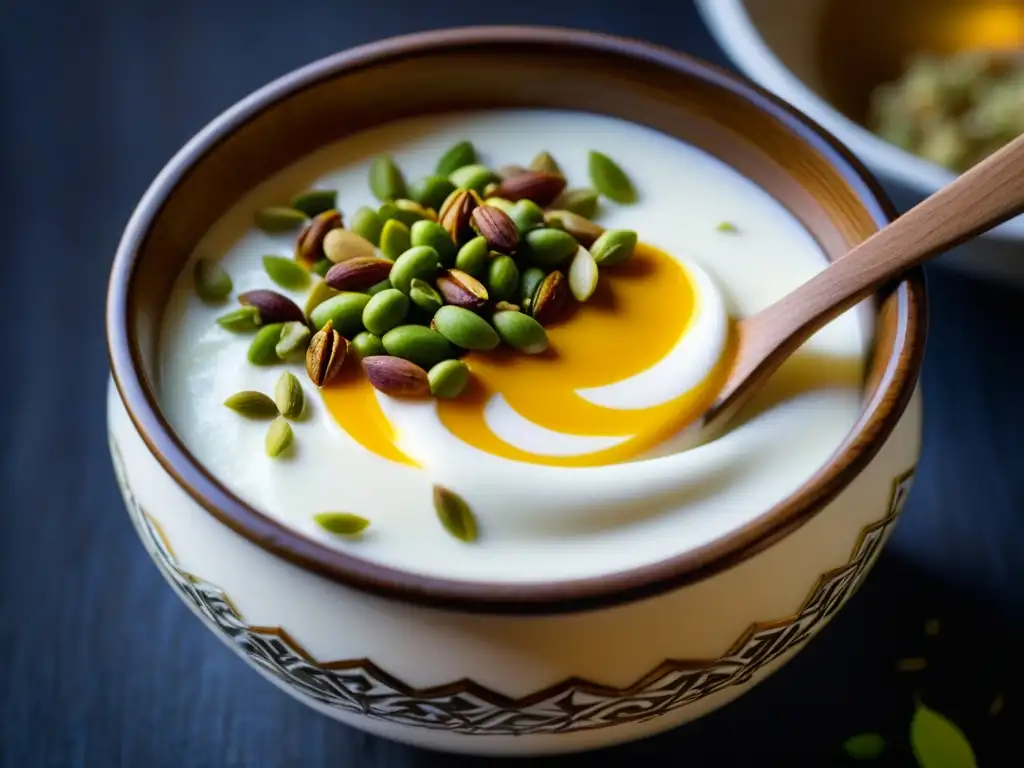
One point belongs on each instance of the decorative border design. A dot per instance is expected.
(358, 686)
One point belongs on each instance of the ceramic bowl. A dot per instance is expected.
(825, 57)
(511, 668)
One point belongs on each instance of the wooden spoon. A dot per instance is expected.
(980, 199)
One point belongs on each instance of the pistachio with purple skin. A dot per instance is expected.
(272, 306)
(396, 377)
(495, 226)
(461, 289)
(539, 186)
(309, 246)
(358, 274)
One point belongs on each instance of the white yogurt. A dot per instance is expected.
(536, 522)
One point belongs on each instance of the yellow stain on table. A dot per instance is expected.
(637, 315)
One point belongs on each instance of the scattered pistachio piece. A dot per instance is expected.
(609, 179)
(454, 514)
(279, 437)
(315, 201)
(213, 283)
(286, 272)
(341, 523)
(457, 156)
(263, 349)
(448, 379)
(864, 746)
(728, 227)
(252, 404)
(277, 219)
(293, 341)
(396, 377)
(386, 179)
(583, 274)
(288, 396)
(240, 320)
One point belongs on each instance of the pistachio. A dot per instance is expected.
(432, 191)
(609, 179)
(502, 278)
(315, 201)
(387, 211)
(424, 296)
(367, 225)
(288, 396)
(420, 261)
(454, 514)
(394, 239)
(409, 212)
(358, 274)
(552, 299)
(293, 340)
(255, 405)
(396, 377)
(376, 288)
(263, 349)
(500, 202)
(527, 215)
(510, 170)
(344, 311)
(325, 355)
(728, 227)
(582, 275)
(322, 266)
(529, 282)
(474, 177)
(386, 179)
(385, 310)
(417, 344)
(505, 306)
(615, 246)
(521, 332)
(341, 245)
(543, 161)
(550, 247)
(277, 219)
(341, 523)
(273, 307)
(539, 186)
(321, 292)
(584, 230)
(455, 214)
(448, 378)
(459, 155)
(213, 283)
(496, 227)
(309, 246)
(286, 272)
(461, 289)
(240, 320)
(490, 189)
(464, 328)
(472, 257)
(432, 234)
(582, 202)
(367, 344)
(279, 437)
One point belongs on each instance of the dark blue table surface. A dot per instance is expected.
(101, 665)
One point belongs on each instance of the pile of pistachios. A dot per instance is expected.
(465, 259)
(954, 110)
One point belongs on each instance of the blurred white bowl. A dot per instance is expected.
(792, 48)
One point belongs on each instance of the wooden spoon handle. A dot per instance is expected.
(983, 197)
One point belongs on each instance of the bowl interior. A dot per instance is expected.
(760, 137)
(843, 50)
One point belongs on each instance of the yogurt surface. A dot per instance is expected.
(539, 520)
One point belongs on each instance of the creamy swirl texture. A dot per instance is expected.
(571, 460)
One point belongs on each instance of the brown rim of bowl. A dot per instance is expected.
(877, 421)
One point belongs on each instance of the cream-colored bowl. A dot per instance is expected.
(510, 668)
(826, 56)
